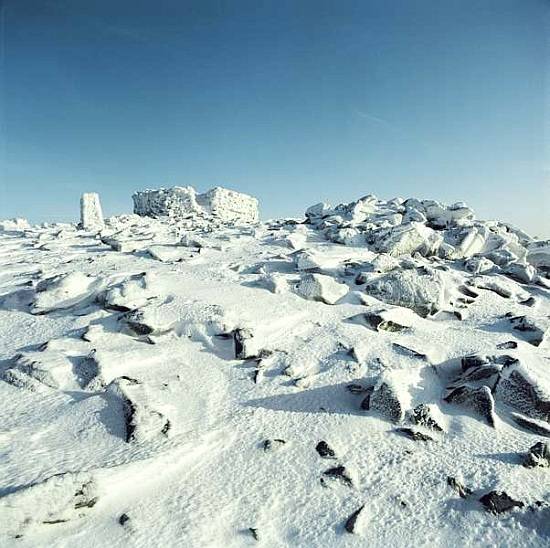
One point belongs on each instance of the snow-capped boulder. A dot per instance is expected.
(318, 287)
(422, 292)
(408, 239)
(64, 291)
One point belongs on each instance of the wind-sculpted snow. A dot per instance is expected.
(377, 374)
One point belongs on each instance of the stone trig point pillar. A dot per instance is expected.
(91, 216)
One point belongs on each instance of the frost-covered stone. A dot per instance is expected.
(408, 239)
(14, 225)
(423, 293)
(91, 216)
(218, 204)
(318, 287)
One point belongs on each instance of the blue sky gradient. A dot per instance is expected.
(293, 101)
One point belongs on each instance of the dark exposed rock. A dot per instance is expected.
(241, 337)
(123, 519)
(508, 345)
(338, 473)
(365, 404)
(539, 455)
(534, 329)
(479, 399)
(422, 416)
(351, 522)
(325, 451)
(517, 389)
(534, 426)
(254, 532)
(377, 322)
(414, 435)
(461, 489)
(410, 351)
(498, 502)
(465, 290)
(473, 361)
(385, 400)
(273, 445)
(134, 320)
(481, 373)
(531, 301)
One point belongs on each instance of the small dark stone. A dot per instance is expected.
(352, 520)
(507, 345)
(338, 473)
(325, 450)
(254, 533)
(539, 455)
(414, 434)
(123, 519)
(166, 428)
(498, 502)
(461, 489)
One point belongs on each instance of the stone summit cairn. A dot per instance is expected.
(91, 216)
(178, 203)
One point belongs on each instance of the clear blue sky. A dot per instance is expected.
(292, 101)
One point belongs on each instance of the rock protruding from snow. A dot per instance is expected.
(91, 215)
(218, 204)
(318, 287)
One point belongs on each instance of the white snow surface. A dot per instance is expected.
(149, 373)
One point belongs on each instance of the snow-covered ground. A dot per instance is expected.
(361, 379)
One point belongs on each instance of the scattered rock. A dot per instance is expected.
(422, 416)
(532, 425)
(478, 399)
(462, 490)
(498, 502)
(539, 455)
(351, 522)
(338, 473)
(414, 435)
(123, 519)
(385, 400)
(325, 451)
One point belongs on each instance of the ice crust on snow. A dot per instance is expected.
(191, 375)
